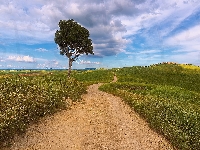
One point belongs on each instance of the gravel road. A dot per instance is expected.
(100, 121)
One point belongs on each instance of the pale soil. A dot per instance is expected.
(100, 121)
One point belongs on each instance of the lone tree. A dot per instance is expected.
(73, 40)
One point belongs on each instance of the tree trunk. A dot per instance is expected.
(70, 66)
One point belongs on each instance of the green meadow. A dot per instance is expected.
(25, 97)
(167, 96)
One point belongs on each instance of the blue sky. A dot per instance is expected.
(124, 33)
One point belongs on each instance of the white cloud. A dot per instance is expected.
(189, 57)
(21, 59)
(2, 60)
(9, 66)
(149, 51)
(43, 64)
(112, 24)
(42, 50)
(188, 46)
(187, 37)
(88, 62)
(163, 17)
(37, 21)
(56, 63)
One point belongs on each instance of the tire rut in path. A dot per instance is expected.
(101, 121)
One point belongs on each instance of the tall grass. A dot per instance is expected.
(24, 99)
(173, 75)
(93, 76)
(167, 96)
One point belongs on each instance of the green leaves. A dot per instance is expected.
(73, 40)
(73, 36)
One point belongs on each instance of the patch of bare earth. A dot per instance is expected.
(101, 122)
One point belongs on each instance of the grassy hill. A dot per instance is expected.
(165, 95)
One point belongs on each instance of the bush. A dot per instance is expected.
(24, 99)
(166, 96)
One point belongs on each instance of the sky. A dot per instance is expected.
(124, 32)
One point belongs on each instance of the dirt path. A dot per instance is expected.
(100, 122)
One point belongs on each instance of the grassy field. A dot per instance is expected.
(167, 96)
(93, 76)
(27, 96)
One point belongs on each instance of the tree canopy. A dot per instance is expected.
(73, 40)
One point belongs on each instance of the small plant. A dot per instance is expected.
(24, 99)
(167, 96)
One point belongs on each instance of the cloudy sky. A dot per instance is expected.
(123, 32)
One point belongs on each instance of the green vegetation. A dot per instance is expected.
(73, 41)
(165, 74)
(93, 76)
(24, 98)
(167, 96)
